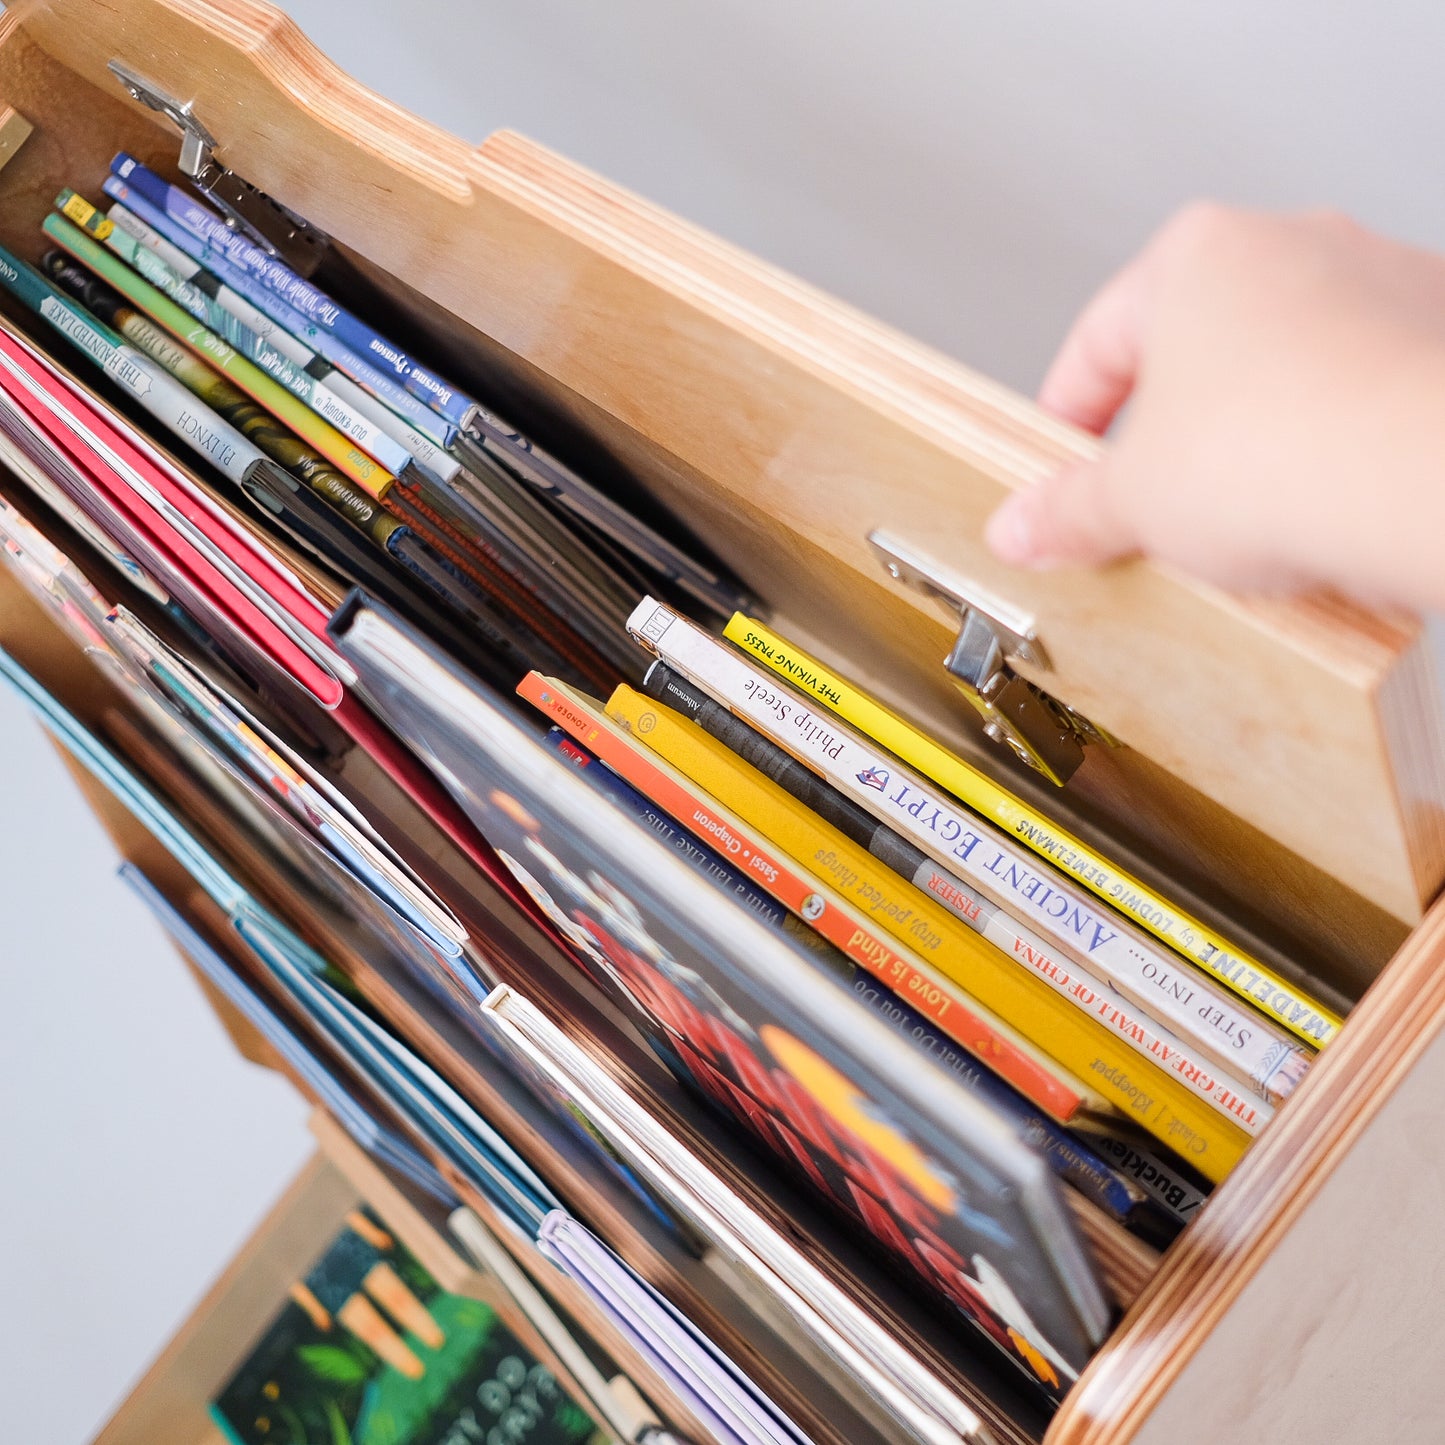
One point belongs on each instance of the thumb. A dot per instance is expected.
(1068, 519)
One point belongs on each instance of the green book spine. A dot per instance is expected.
(211, 314)
(298, 417)
(221, 396)
(160, 394)
(430, 455)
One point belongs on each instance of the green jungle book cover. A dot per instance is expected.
(369, 1350)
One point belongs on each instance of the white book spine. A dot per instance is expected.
(344, 404)
(1096, 941)
(431, 458)
(1213, 1082)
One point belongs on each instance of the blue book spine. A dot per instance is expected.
(372, 1136)
(385, 388)
(296, 291)
(1066, 1156)
(140, 244)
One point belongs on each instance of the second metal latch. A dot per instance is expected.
(1045, 733)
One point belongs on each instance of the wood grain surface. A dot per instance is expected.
(785, 427)
(1284, 765)
(1325, 1207)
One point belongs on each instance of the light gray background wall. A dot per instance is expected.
(963, 170)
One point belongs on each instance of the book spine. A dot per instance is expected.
(143, 237)
(78, 209)
(1070, 1158)
(934, 997)
(306, 388)
(51, 577)
(1306, 1018)
(432, 458)
(191, 542)
(314, 809)
(564, 488)
(426, 453)
(534, 559)
(64, 506)
(162, 396)
(183, 292)
(1093, 939)
(226, 401)
(298, 293)
(1165, 1182)
(486, 622)
(1178, 1110)
(343, 454)
(706, 860)
(1087, 993)
(396, 397)
(497, 584)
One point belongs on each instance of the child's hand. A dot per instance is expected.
(1286, 427)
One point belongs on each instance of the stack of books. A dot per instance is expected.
(406, 698)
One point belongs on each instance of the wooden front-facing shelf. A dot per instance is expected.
(171, 1403)
(1284, 769)
(786, 427)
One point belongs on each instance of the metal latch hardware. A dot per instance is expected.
(264, 222)
(1047, 734)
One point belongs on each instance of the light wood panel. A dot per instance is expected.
(1336, 1338)
(784, 427)
(790, 426)
(1312, 1256)
(76, 131)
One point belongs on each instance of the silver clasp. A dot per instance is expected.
(1047, 734)
(265, 222)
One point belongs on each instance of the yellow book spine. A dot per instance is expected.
(1277, 998)
(1139, 1088)
(1004, 1050)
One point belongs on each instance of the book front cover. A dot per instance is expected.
(369, 1350)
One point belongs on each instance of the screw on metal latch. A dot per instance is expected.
(245, 209)
(991, 633)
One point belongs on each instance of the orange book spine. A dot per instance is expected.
(934, 998)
